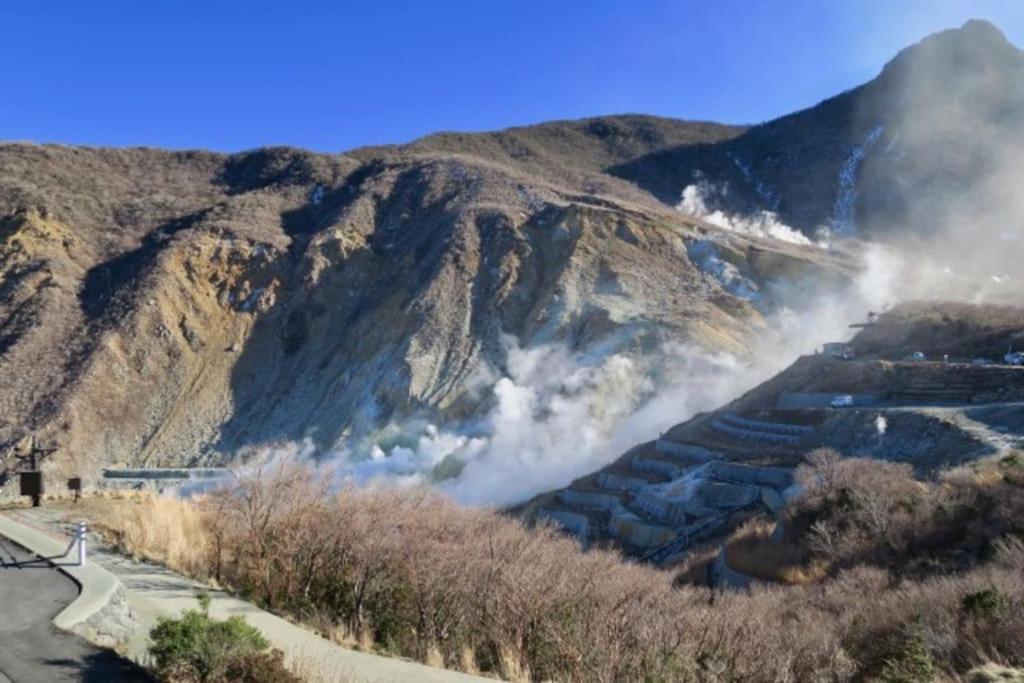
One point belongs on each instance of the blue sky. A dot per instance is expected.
(331, 76)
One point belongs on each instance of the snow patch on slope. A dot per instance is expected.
(846, 196)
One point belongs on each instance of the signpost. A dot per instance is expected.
(75, 484)
(31, 480)
(31, 484)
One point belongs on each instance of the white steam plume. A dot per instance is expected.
(558, 415)
(695, 202)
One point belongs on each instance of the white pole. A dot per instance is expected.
(81, 544)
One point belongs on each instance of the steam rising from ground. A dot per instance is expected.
(695, 202)
(557, 415)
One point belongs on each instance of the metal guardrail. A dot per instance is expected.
(167, 473)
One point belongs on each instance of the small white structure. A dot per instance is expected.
(838, 350)
(1014, 358)
(917, 356)
(843, 401)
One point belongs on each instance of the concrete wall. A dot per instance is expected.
(618, 482)
(685, 450)
(753, 435)
(796, 400)
(721, 495)
(658, 467)
(635, 531)
(665, 509)
(761, 425)
(776, 477)
(572, 522)
(593, 500)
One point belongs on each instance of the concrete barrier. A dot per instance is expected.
(618, 482)
(100, 613)
(573, 522)
(650, 503)
(753, 435)
(592, 500)
(686, 450)
(763, 426)
(797, 400)
(716, 494)
(629, 528)
(775, 477)
(661, 467)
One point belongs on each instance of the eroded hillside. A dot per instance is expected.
(163, 308)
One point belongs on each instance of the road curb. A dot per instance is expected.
(98, 588)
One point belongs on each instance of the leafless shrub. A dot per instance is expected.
(412, 573)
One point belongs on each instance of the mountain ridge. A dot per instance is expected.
(168, 307)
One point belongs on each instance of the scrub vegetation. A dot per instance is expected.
(886, 578)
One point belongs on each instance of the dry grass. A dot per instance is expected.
(753, 551)
(310, 668)
(474, 590)
(168, 530)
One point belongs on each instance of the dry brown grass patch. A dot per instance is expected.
(752, 550)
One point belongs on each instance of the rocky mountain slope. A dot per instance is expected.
(162, 308)
(923, 144)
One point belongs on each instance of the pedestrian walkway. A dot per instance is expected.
(32, 593)
(154, 591)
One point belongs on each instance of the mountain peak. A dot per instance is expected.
(980, 29)
(978, 45)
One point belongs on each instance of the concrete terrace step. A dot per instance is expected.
(730, 446)
(573, 522)
(653, 465)
(753, 434)
(762, 426)
(620, 482)
(687, 451)
(590, 500)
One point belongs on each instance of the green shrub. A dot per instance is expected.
(985, 603)
(909, 662)
(197, 648)
(1014, 459)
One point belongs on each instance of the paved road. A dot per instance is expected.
(32, 650)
